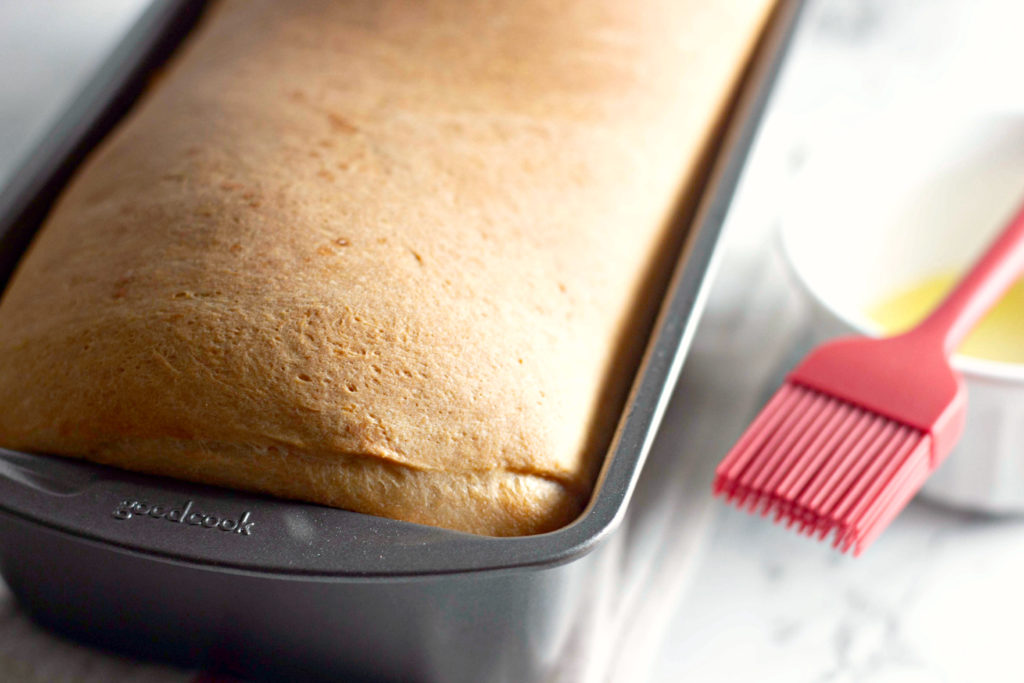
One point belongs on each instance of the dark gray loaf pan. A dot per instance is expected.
(274, 590)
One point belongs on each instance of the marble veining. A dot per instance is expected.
(937, 597)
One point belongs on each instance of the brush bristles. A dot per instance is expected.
(825, 466)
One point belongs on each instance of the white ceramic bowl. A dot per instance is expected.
(882, 208)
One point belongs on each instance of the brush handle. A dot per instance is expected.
(980, 290)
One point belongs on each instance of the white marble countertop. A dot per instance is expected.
(728, 597)
(937, 598)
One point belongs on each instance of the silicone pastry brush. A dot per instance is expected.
(859, 425)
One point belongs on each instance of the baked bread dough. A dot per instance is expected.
(384, 256)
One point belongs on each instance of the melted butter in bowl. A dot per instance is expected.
(998, 337)
(879, 226)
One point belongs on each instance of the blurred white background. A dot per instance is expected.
(47, 48)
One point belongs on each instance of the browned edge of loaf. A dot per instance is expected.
(551, 502)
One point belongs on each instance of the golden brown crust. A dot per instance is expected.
(375, 255)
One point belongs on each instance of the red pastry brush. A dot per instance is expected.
(861, 423)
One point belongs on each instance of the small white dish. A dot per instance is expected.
(884, 207)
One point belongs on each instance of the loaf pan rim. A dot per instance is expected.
(662, 362)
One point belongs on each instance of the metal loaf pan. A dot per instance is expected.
(271, 590)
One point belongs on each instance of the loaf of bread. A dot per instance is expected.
(384, 256)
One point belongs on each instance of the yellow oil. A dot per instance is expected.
(999, 337)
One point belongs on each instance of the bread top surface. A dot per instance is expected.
(346, 248)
